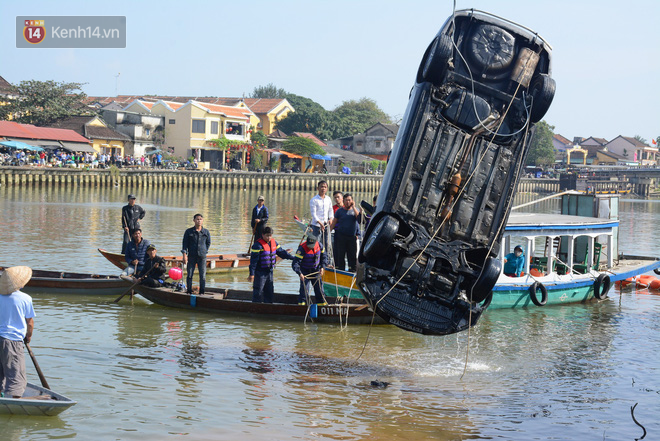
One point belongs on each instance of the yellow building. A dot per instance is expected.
(103, 138)
(191, 127)
(269, 111)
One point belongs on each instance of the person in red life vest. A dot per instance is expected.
(338, 198)
(308, 263)
(262, 261)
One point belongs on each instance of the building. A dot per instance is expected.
(7, 91)
(146, 131)
(376, 142)
(192, 128)
(103, 138)
(603, 157)
(45, 137)
(633, 150)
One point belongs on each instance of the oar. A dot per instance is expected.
(44, 383)
(135, 284)
(254, 233)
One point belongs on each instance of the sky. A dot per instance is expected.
(606, 54)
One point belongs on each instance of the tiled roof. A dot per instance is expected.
(233, 112)
(634, 142)
(6, 87)
(79, 124)
(561, 139)
(262, 105)
(612, 155)
(278, 134)
(310, 136)
(13, 129)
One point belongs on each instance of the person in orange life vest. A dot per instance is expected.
(262, 261)
(308, 263)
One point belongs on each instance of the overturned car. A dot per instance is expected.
(428, 261)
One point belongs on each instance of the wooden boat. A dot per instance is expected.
(214, 262)
(568, 242)
(36, 400)
(57, 282)
(236, 302)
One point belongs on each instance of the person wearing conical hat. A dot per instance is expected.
(16, 326)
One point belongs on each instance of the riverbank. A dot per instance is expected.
(145, 178)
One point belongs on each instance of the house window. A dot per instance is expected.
(234, 129)
(199, 126)
(148, 131)
(378, 144)
(172, 121)
(214, 127)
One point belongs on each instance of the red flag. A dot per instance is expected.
(654, 142)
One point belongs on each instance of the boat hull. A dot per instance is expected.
(285, 307)
(30, 405)
(55, 282)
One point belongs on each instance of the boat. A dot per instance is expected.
(56, 282)
(569, 279)
(214, 262)
(36, 401)
(232, 302)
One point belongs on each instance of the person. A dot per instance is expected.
(136, 253)
(259, 217)
(131, 215)
(16, 327)
(263, 256)
(338, 197)
(346, 227)
(196, 244)
(320, 206)
(154, 269)
(514, 263)
(308, 263)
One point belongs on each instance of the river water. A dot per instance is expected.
(144, 372)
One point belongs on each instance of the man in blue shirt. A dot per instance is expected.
(196, 243)
(346, 227)
(16, 326)
(259, 217)
(514, 262)
(136, 252)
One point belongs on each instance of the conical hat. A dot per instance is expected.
(14, 278)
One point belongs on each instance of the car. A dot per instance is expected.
(428, 261)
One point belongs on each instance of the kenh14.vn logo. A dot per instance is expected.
(34, 31)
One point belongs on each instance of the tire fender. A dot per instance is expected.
(544, 293)
(657, 271)
(602, 286)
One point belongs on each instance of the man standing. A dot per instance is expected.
(308, 263)
(136, 252)
(153, 272)
(346, 227)
(16, 326)
(321, 208)
(259, 217)
(338, 196)
(196, 243)
(263, 256)
(130, 220)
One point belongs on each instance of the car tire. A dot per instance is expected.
(486, 281)
(381, 237)
(542, 91)
(436, 60)
(491, 49)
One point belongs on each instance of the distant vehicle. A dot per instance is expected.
(429, 256)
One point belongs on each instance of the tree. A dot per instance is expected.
(353, 117)
(302, 146)
(259, 139)
(309, 116)
(44, 102)
(640, 139)
(268, 91)
(541, 150)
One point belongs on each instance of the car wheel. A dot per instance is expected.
(381, 237)
(542, 91)
(486, 281)
(491, 48)
(436, 60)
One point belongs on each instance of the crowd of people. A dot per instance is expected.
(64, 158)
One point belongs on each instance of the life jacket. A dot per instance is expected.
(268, 255)
(311, 257)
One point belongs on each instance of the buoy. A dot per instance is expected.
(644, 280)
(175, 273)
(655, 284)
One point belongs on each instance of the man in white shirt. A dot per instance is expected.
(322, 213)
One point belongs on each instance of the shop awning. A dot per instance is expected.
(324, 157)
(78, 147)
(20, 145)
(291, 155)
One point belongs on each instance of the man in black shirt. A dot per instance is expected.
(196, 243)
(130, 220)
(153, 272)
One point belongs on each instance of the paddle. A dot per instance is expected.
(135, 284)
(254, 233)
(44, 383)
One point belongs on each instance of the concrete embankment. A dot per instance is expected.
(144, 178)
